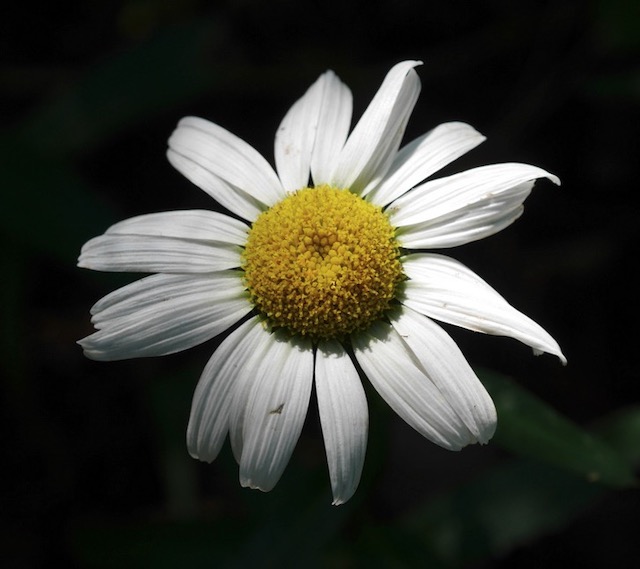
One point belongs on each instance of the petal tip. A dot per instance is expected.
(487, 434)
(202, 457)
(555, 179)
(342, 496)
(557, 353)
(252, 485)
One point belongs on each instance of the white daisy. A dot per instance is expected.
(324, 269)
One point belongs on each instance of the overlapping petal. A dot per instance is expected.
(235, 199)
(464, 207)
(235, 360)
(443, 363)
(422, 158)
(295, 137)
(391, 367)
(276, 407)
(344, 418)
(250, 357)
(316, 125)
(444, 289)
(226, 157)
(163, 314)
(334, 121)
(372, 145)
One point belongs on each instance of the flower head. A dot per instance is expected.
(321, 268)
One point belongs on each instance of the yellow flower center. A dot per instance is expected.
(322, 263)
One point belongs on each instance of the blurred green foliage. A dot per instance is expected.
(499, 509)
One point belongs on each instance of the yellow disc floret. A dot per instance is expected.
(322, 263)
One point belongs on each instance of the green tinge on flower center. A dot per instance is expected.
(322, 263)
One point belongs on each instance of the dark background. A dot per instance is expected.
(94, 456)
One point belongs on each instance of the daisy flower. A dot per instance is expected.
(320, 272)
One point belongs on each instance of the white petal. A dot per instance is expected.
(390, 366)
(163, 314)
(249, 362)
(210, 409)
(276, 409)
(333, 127)
(464, 207)
(234, 199)
(149, 254)
(294, 139)
(446, 290)
(422, 158)
(344, 418)
(456, 229)
(201, 225)
(318, 117)
(228, 157)
(374, 141)
(443, 363)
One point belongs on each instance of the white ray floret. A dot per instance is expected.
(344, 417)
(443, 288)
